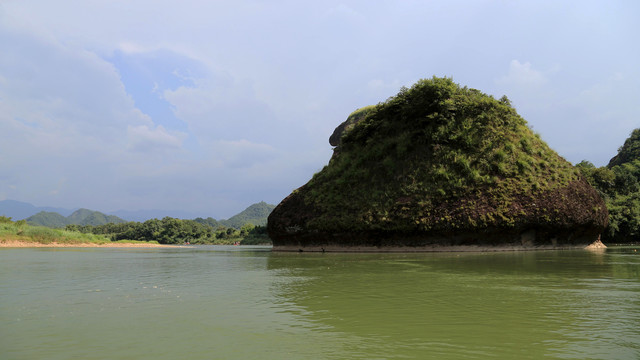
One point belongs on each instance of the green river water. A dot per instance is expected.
(217, 302)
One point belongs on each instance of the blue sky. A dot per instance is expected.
(210, 106)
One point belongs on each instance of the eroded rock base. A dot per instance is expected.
(433, 248)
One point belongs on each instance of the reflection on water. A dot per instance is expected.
(572, 304)
(204, 302)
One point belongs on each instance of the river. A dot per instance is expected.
(226, 302)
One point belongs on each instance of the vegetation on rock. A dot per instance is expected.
(439, 163)
(346, 126)
(619, 185)
(629, 152)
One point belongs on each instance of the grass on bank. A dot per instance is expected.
(43, 235)
(22, 232)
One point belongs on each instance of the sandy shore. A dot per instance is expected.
(26, 244)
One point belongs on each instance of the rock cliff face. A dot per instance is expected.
(439, 166)
(629, 152)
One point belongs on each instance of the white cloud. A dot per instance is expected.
(271, 82)
(342, 10)
(221, 108)
(243, 153)
(67, 122)
(129, 47)
(143, 138)
(609, 105)
(63, 88)
(580, 120)
(380, 89)
(523, 75)
(375, 84)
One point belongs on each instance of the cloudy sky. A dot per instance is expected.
(210, 106)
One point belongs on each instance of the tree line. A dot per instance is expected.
(619, 184)
(177, 231)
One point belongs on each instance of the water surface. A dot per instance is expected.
(217, 302)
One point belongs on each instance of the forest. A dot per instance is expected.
(177, 231)
(619, 184)
(83, 225)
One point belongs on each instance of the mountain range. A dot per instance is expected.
(255, 214)
(18, 210)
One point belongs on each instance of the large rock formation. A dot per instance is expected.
(439, 166)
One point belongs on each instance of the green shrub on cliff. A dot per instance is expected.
(619, 184)
(431, 144)
(629, 152)
(439, 164)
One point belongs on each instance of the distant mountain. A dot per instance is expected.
(48, 219)
(208, 221)
(78, 217)
(90, 217)
(255, 214)
(18, 210)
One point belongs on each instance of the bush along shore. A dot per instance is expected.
(167, 231)
(20, 234)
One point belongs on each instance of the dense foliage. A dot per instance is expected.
(48, 219)
(353, 119)
(439, 164)
(619, 184)
(247, 227)
(629, 152)
(430, 144)
(176, 231)
(21, 231)
(78, 217)
(255, 214)
(211, 222)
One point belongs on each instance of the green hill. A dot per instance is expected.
(439, 164)
(48, 219)
(78, 217)
(255, 214)
(208, 221)
(619, 184)
(629, 151)
(90, 217)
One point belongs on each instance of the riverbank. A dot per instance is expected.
(16, 243)
(21, 234)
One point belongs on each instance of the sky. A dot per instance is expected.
(211, 106)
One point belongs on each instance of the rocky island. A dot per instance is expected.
(439, 167)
